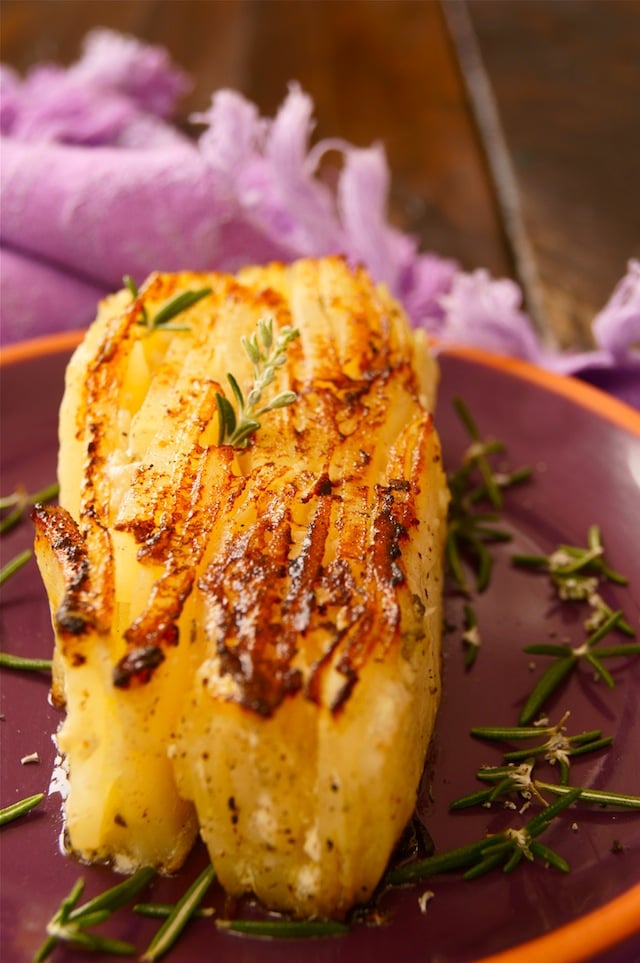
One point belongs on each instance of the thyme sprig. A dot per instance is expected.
(506, 848)
(169, 310)
(471, 529)
(17, 503)
(567, 658)
(267, 356)
(20, 808)
(70, 923)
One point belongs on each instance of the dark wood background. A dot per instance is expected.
(512, 126)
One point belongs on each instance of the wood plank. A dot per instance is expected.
(386, 71)
(566, 77)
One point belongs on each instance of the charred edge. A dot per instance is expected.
(160, 635)
(267, 687)
(137, 666)
(312, 689)
(65, 541)
(345, 668)
(69, 623)
(322, 487)
(388, 534)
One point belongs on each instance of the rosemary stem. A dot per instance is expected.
(285, 929)
(599, 796)
(162, 910)
(446, 862)
(14, 564)
(9, 661)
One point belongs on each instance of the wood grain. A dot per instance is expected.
(566, 76)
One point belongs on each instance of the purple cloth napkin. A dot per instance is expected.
(96, 183)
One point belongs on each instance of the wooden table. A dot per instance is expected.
(512, 127)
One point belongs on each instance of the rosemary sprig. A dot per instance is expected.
(517, 780)
(17, 809)
(169, 310)
(470, 529)
(556, 747)
(507, 848)
(14, 564)
(575, 574)
(9, 661)
(70, 922)
(266, 356)
(567, 659)
(19, 501)
(179, 916)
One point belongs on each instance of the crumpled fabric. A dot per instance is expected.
(96, 182)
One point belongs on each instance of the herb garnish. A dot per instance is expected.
(567, 659)
(179, 916)
(267, 356)
(575, 574)
(508, 848)
(168, 311)
(16, 505)
(517, 780)
(470, 529)
(70, 923)
(470, 636)
(515, 777)
(19, 501)
(8, 661)
(14, 564)
(284, 929)
(473, 524)
(17, 809)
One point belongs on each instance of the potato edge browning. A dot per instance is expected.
(259, 629)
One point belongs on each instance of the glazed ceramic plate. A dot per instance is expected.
(585, 452)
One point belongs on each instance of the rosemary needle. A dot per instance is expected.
(71, 922)
(567, 659)
(19, 501)
(601, 797)
(284, 929)
(162, 910)
(169, 310)
(182, 912)
(507, 847)
(17, 809)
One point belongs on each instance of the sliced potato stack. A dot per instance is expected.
(248, 639)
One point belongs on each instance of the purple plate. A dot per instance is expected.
(585, 449)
